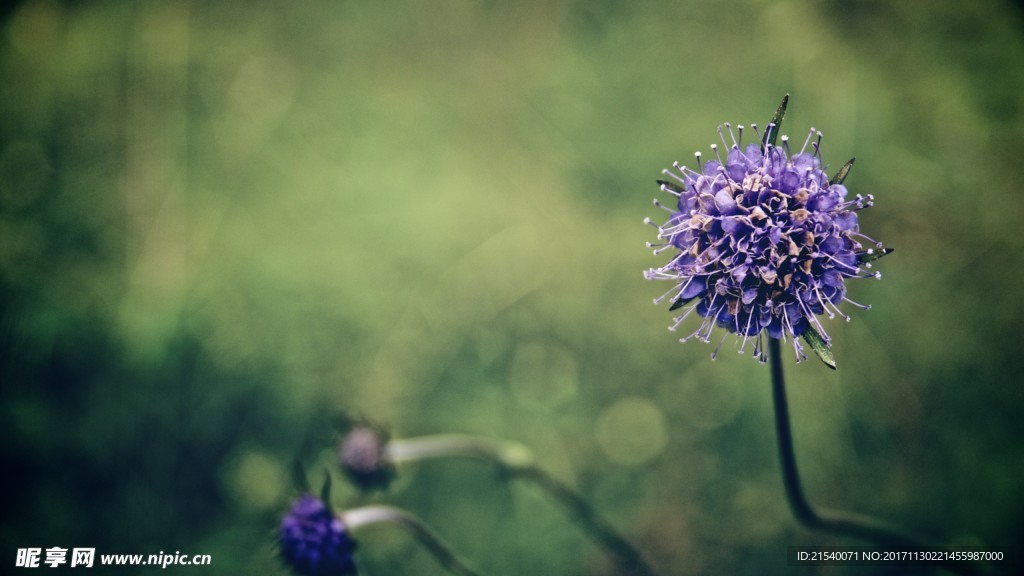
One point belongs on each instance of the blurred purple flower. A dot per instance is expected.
(363, 457)
(762, 242)
(314, 541)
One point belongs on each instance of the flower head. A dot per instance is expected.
(314, 541)
(363, 457)
(762, 241)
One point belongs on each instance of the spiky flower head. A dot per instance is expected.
(762, 241)
(314, 541)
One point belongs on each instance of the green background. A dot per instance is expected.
(225, 225)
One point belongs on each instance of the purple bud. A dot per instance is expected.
(363, 458)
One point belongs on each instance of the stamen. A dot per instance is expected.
(735, 144)
(838, 311)
(768, 133)
(857, 304)
(798, 348)
(721, 136)
(822, 302)
(714, 148)
(850, 270)
(868, 238)
(813, 320)
(786, 324)
(673, 175)
(661, 274)
(679, 320)
(746, 330)
(663, 207)
(721, 170)
(709, 322)
(717, 348)
(808, 140)
(661, 298)
(665, 188)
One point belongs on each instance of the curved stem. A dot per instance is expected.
(358, 517)
(517, 460)
(508, 455)
(855, 525)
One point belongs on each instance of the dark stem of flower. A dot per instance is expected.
(854, 525)
(515, 460)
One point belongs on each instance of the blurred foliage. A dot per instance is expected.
(223, 225)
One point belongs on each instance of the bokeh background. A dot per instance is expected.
(225, 226)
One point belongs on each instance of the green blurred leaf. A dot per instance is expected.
(817, 343)
(843, 173)
(299, 476)
(325, 490)
(771, 132)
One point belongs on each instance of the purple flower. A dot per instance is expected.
(762, 242)
(314, 541)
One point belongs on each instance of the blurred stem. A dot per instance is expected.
(855, 525)
(517, 460)
(508, 455)
(358, 517)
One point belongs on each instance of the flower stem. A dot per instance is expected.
(854, 525)
(516, 460)
(358, 517)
